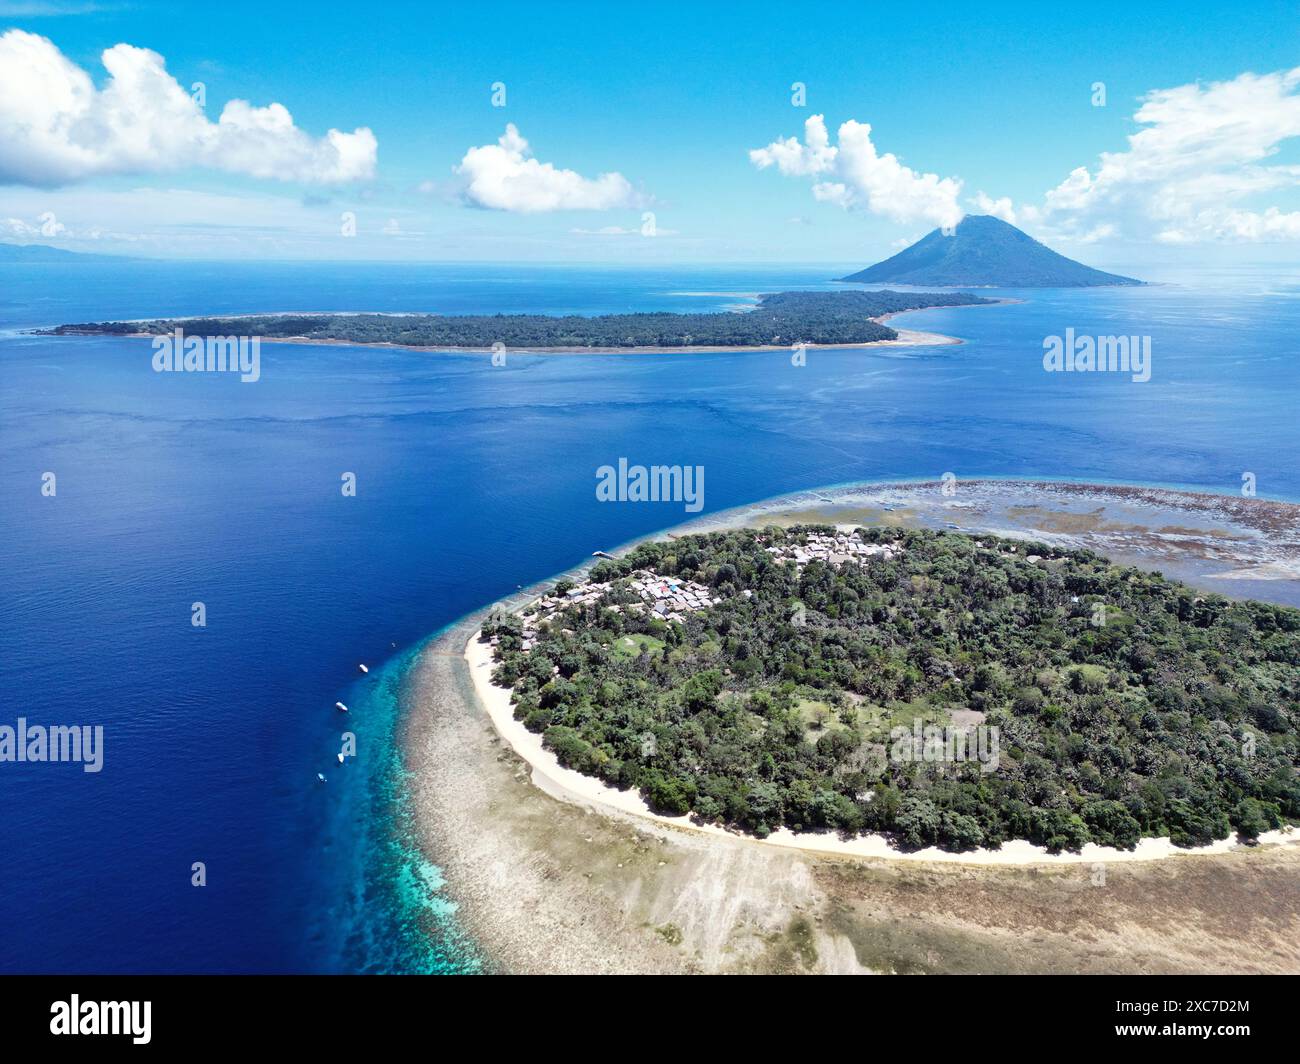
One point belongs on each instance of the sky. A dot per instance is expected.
(665, 133)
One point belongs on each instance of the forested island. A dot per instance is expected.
(761, 679)
(779, 319)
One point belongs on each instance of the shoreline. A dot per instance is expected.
(1265, 514)
(905, 337)
(568, 785)
(547, 882)
(565, 784)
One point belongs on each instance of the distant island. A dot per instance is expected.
(779, 319)
(800, 678)
(37, 253)
(984, 252)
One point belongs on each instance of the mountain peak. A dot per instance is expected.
(988, 252)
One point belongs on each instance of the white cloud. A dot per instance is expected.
(170, 221)
(505, 177)
(794, 159)
(46, 227)
(1202, 152)
(45, 9)
(619, 230)
(56, 127)
(999, 208)
(853, 173)
(835, 192)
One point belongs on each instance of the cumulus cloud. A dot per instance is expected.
(56, 127)
(816, 155)
(47, 226)
(999, 208)
(619, 230)
(506, 177)
(854, 174)
(1202, 151)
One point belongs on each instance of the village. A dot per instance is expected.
(671, 599)
(666, 597)
(834, 548)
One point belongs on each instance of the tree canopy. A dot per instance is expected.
(781, 319)
(1167, 712)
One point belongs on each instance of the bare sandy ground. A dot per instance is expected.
(548, 884)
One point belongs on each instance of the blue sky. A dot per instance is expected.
(995, 100)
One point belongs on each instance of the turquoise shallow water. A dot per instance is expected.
(472, 480)
(371, 833)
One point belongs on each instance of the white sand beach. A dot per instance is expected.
(567, 785)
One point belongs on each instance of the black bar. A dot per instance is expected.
(336, 1013)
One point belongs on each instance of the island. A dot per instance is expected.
(780, 319)
(984, 252)
(557, 871)
(42, 254)
(821, 679)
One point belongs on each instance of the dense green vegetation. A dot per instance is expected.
(1176, 716)
(781, 318)
(984, 251)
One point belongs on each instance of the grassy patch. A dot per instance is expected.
(630, 646)
(818, 716)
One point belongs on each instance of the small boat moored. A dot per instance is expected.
(363, 668)
(341, 707)
(320, 776)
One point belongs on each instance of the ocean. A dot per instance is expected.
(471, 480)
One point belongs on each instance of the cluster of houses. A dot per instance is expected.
(670, 598)
(664, 596)
(548, 605)
(834, 548)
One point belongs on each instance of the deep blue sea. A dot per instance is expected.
(472, 479)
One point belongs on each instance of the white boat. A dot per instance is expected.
(363, 668)
(320, 776)
(340, 757)
(341, 706)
